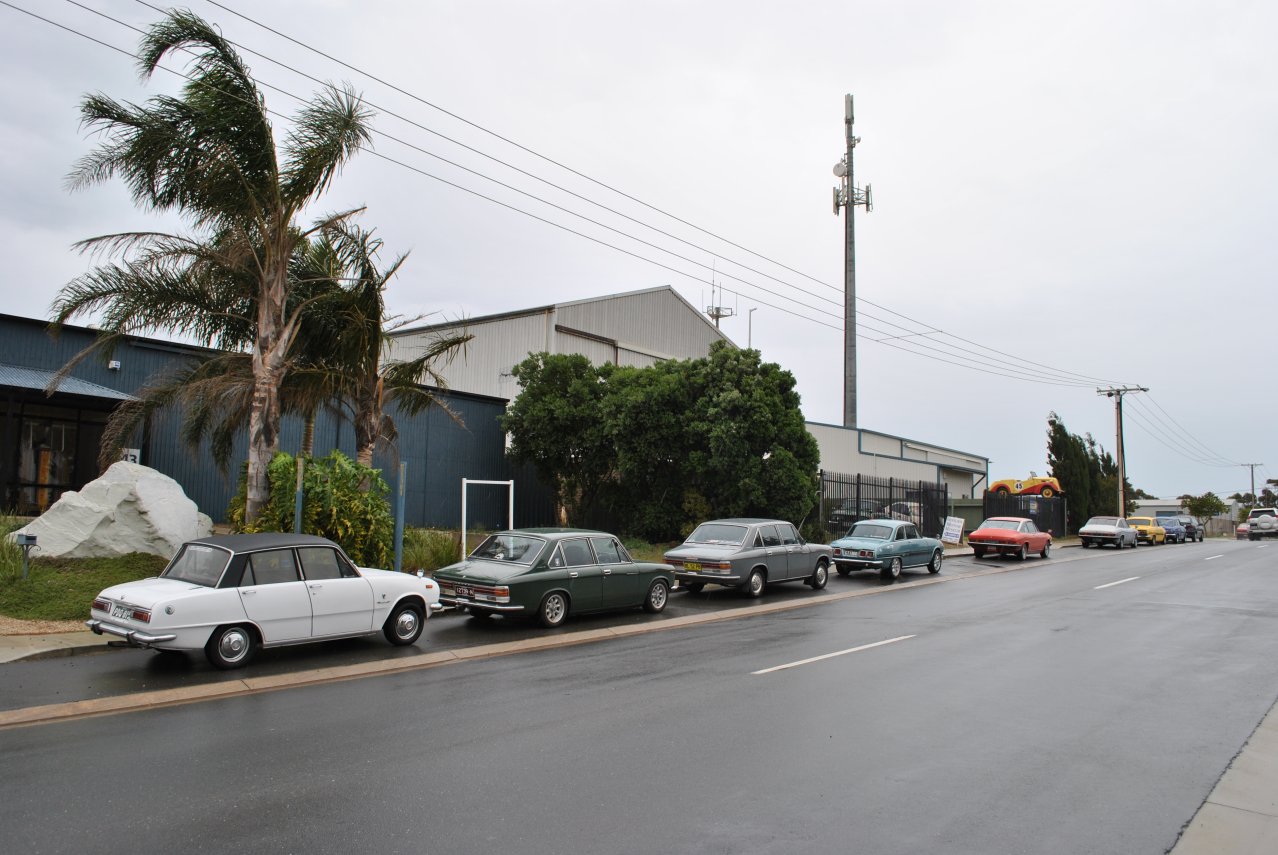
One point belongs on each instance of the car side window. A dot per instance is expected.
(758, 540)
(900, 533)
(788, 535)
(1030, 527)
(908, 532)
(770, 536)
(608, 550)
(577, 553)
(273, 567)
(321, 562)
(557, 559)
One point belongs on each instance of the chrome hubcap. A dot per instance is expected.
(658, 597)
(233, 645)
(406, 625)
(555, 609)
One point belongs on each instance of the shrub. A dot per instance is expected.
(428, 549)
(10, 552)
(341, 500)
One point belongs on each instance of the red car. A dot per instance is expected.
(1009, 536)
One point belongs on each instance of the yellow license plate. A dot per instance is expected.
(692, 566)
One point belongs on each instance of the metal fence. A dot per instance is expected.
(1047, 514)
(846, 499)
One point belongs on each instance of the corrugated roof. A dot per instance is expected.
(39, 379)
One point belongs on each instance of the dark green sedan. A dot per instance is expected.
(551, 573)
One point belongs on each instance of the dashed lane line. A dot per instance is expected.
(1112, 584)
(832, 655)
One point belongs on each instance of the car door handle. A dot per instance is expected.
(607, 572)
(245, 593)
(315, 587)
(572, 574)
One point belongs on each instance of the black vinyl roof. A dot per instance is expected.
(264, 540)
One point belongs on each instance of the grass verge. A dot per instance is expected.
(63, 588)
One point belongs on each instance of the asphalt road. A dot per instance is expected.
(1085, 704)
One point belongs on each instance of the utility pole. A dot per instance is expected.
(1117, 394)
(848, 196)
(1252, 467)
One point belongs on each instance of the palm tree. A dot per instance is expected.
(211, 156)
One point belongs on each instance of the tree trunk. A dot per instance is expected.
(270, 349)
(308, 435)
(368, 423)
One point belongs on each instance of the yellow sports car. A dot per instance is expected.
(1032, 486)
(1147, 530)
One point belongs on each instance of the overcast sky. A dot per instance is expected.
(1083, 190)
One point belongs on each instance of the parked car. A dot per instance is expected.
(1102, 530)
(1193, 528)
(904, 511)
(1262, 522)
(888, 546)
(1032, 486)
(849, 511)
(1147, 530)
(748, 554)
(552, 573)
(1241, 532)
(228, 595)
(1009, 536)
(1174, 529)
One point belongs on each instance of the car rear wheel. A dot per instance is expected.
(1047, 550)
(755, 584)
(404, 626)
(1023, 552)
(819, 576)
(892, 572)
(1048, 492)
(553, 610)
(658, 594)
(231, 647)
(692, 587)
(934, 566)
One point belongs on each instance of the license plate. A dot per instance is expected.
(692, 567)
(465, 591)
(125, 612)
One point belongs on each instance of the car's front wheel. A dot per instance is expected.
(755, 584)
(658, 594)
(892, 571)
(404, 625)
(231, 647)
(553, 610)
(934, 566)
(820, 576)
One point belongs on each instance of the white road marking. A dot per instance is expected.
(832, 655)
(1214, 557)
(1119, 582)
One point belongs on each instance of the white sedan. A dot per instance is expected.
(228, 595)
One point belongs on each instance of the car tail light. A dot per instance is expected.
(675, 562)
(142, 615)
(101, 606)
(446, 589)
(838, 551)
(502, 593)
(865, 553)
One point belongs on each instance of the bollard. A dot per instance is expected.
(26, 541)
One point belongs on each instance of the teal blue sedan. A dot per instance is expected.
(888, 546)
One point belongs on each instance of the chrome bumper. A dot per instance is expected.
(133, 636)
(459, 602)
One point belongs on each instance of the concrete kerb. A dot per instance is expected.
(52, 713)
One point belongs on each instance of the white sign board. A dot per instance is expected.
(953, 530)
(131, 455)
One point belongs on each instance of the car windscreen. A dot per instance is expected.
(1103, 521)
(516, 548)
(1140, 521)
(871, 531)
(721, 533)
(198, 564)
(1010, 525)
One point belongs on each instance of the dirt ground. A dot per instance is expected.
(13, 626)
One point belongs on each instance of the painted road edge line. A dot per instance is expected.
(1112, 584)
(1214, 557)
(832, 655)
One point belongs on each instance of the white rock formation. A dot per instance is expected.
(130, 508)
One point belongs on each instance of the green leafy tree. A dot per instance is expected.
(660, 448)
(1088, 474)
(211, 156)
(1204, 507)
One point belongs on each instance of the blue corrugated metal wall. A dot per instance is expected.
(438, 451)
